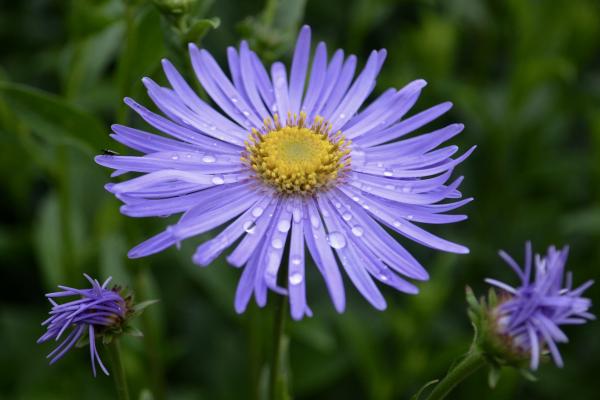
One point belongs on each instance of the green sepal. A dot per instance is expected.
(425, 386)
(494, 375)
(138, 308)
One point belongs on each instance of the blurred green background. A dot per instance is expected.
(524, 77)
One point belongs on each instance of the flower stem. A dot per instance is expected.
(118, 372)
(463, 369)
(277, 379)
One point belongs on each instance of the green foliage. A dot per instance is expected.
(524, 78)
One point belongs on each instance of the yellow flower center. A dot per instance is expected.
(297, 159)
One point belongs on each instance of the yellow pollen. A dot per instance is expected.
(295, 158)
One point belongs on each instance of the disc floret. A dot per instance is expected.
(296, 158)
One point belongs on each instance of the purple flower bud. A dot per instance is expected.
(93, 311)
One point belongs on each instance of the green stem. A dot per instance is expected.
(277, 380)
(471, 363)
(118, 373)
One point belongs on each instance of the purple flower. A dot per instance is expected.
(534, 311)
(95, 310)
(296, 161)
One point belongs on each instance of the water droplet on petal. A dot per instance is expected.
(410, 216)
(257, 212)
(296, 279)
(383, 277)
(390, 187)
(283, 226)
(406, 189)
(234, 100)
(388, 172)
(337, 240)
(208, 158)
(175, 157)
(347, 216)
(250, 227)
(314, 220)
(277, 243)
(217, 180)
(296, 260)
(246, 113)
(397, 224)
(357, 231)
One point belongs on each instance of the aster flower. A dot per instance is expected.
(96, 310)
(294, 162)
(530, 317)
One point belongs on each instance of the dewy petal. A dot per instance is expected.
(280, 85)
(357, 93)
(298, 69)
(179, 131)
(404, 127)
(172, 105)
(220, 89)
(321, 252)
(379, 241)
(296, 263)
(331, 79)
(249, 243)
(245, 223)
(249, 81)
(339, 88)
(193, 101)
(316, 81)
(353, 265)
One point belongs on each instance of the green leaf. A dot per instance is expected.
(47, 241)
(53, 118)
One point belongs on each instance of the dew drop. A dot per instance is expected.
(410, 217)
(314, 220)
(337, 240)
(347, 216)
(234, 100)
(390, 187)
(342, 116)
(357, 231)
(175, 157)
(277, 243)
(383, 277)
(283, 226)
(397, 224)
(388, 172)
(246, 113)
(406, 189)
(250, 227)
(208, 158)
(296, 260)
(217, 180)
(257, 212)
(296, 279)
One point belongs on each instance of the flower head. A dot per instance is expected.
(295, 163)
(96, 310)
(530, 315)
